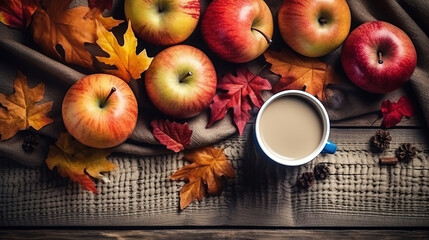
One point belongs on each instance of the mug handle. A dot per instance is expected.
(330, 148)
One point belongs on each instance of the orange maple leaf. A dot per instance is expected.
(77, 161)
(299, 72)
(128, 64)
(17, 13)
(62, 32)
(20, 110)
(207, 167)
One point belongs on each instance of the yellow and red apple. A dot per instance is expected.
(181, 81)
(237, 31)
(163, 22)
(314, 28)
(378, 57)
(100, 110)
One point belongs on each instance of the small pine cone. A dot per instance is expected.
(380, 141)
(306, 180)
(30, 143)
(406, 152)
(321, 171)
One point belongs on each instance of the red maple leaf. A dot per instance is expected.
(101, 4)
(174, 136)
(17, 13)
(394, 111)
(242, 89)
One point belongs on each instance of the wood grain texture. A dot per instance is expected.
(363, 234)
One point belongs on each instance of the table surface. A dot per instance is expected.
(360, 198)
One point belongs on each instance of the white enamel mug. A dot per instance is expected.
(324, 145)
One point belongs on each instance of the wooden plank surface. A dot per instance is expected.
(364, 234)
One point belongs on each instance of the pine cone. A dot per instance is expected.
(31, 141)
(406, 152)
(321, 171)
(380, 141)
(306, 180)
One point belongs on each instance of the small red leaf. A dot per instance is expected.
(242, 90)
(174, 136)
(101, 4)
(394, 111)
(17, 13)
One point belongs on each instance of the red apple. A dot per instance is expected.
(314, 28)
(181, 81)
(163, 22)
(378, 57)
(237, 31)
(100, 110)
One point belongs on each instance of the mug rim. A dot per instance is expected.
(322, 113)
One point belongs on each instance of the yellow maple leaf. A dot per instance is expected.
(21, 109)
(62, 32)
(73, 159)
(299, 72)
(129, 65)
(208, 166)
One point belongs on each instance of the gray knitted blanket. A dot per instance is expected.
(359, 191)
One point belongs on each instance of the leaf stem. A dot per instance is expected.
(107, 98)
(258, 72)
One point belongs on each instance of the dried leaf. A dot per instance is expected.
(97, 7)
(240, 89)
(21, 109)
(207, 167)
(129, 65)
(17, 13)
(77, 161)
(62, 32)
(394, 111)
(174, 135)
(299, 72)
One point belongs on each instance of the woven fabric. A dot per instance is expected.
(359, 192)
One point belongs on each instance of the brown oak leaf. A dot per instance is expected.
(17, 13)
(62, 32)
(128, 64)
(21, 110)
(174, 136)
(77, 161)
(208, 165)
(240, 89)
(299, 72)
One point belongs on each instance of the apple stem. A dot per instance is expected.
(107, 98)
(269, 40)
(188, 74)
(323, 21)
(380, 60)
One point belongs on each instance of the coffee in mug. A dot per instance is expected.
(292, 128)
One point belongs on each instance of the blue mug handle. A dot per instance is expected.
(330, 148)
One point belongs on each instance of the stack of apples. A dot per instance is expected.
(101, 110)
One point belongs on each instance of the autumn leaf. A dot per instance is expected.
(129, 65)
(174, 136)
(21, 110)
(240, 89)
(62, 32)
(207, 167)
(17, 13)
(394, 111)
(299, 72)
(97, 7)
(78, 162)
